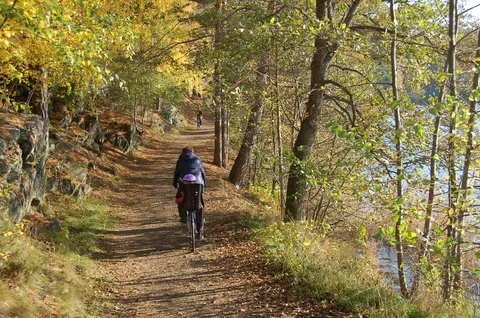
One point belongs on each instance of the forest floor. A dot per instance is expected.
(154, 272)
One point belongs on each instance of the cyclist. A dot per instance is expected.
(189, 163)
(199, 119)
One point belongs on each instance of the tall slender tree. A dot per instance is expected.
(398, 155)
(240, 173)
(451, 155)
(220, 130)
(463, 196)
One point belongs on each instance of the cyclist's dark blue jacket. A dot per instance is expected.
(187, 163)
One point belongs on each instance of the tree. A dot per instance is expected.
(326, 47)
(220, 113)
(240, 173)
(398, 156)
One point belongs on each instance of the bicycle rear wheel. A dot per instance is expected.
(192, 227)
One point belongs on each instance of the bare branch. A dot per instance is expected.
(351, 12)
(469, 9)
(466, 35)
(344, 112)
(371, 28)
(363, 76)
(161, 38)
(169, 47)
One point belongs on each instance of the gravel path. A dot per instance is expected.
(148, 255)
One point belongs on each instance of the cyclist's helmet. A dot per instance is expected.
(189, 178)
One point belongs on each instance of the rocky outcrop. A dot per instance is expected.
(23, 155)
(165, 118)
(170, 114)
(74, 184)
(95, 137)
(125, 137)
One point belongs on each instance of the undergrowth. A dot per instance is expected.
(341, 272)
(81, 223)
(52, 274)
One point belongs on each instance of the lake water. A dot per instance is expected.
(387, 261)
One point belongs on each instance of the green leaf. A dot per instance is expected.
(402, 227)
(379, 234)
(433, 111)
(395, 218)
(395, 103)
(390, 230)
(425, 181)
(419, 129)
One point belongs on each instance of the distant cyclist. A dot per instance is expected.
(189, 163)
(199, 119)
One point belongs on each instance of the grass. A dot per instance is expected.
(341, 272)
(81, 223)
(263, 196)
(53, 275)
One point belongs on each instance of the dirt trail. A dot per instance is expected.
(148, 254)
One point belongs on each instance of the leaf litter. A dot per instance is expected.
(148, 256)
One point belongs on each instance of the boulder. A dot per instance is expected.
(127, 138)
(23, 155)
(82, 191)
(95, 136)
(170, 114)
(75, 185)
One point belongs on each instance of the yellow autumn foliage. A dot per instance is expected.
(81, 42)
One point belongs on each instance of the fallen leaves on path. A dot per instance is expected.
(155, 274)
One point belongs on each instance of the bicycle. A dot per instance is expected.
(193, 208)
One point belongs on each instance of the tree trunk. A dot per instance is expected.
(281, 182)
(463, 197)
(296, 111)
(44, 95)
(452, 173)
(134, 112)
(274, 150)
(425, 240)
(225, 136)
(144, 110)
(240, 174)
(399, 157)
(325, 50)
(255, 167)
(217, 95)
(44, 87)
(217, 156)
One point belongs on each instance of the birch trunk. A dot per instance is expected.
(452, 173)
(463, 197)
(399, 157)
